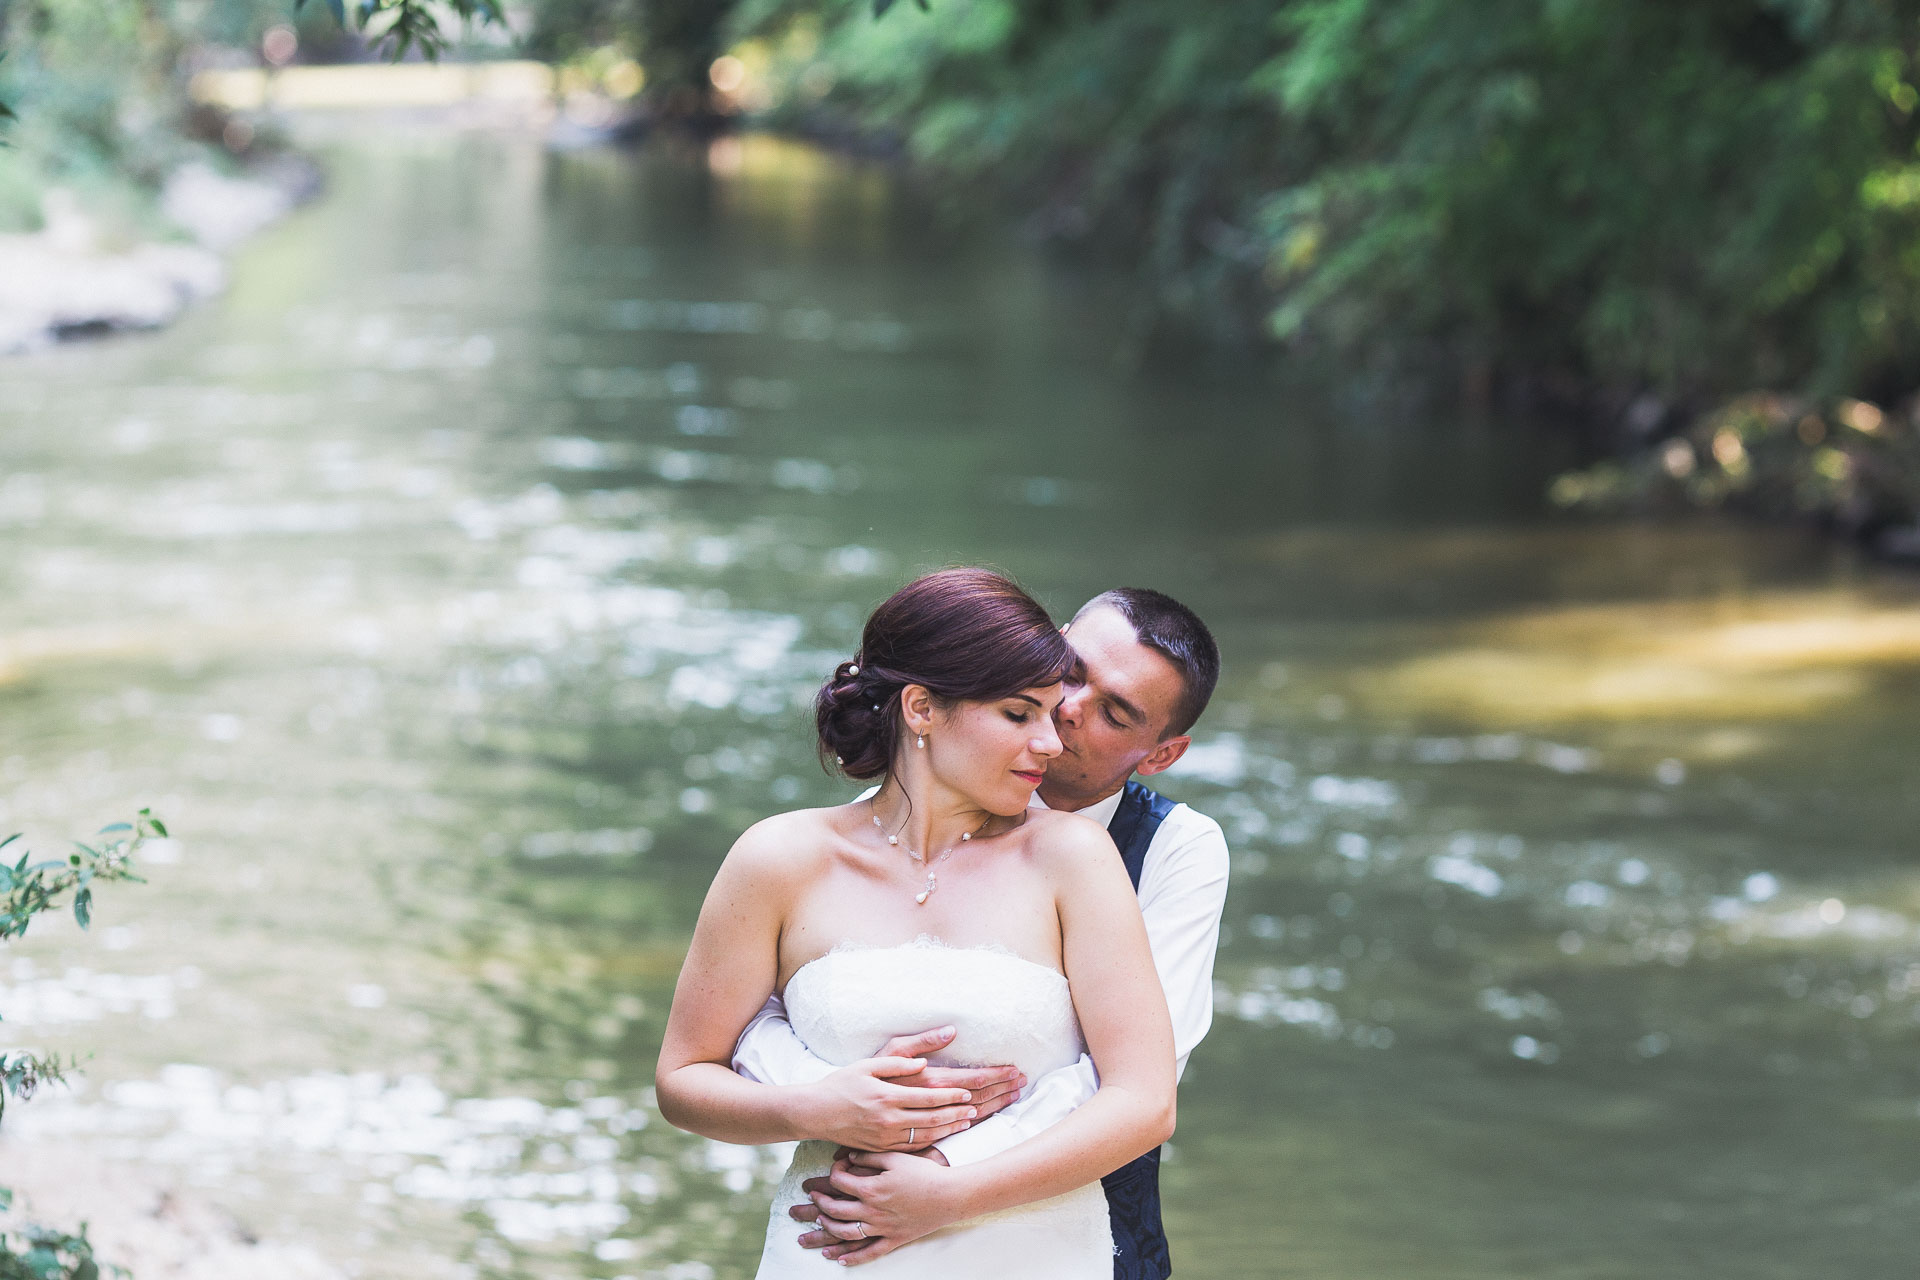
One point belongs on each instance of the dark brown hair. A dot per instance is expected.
(1176, 633)
(966, 635)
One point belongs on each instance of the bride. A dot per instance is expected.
(942, 899)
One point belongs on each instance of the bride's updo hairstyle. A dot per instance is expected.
(966, 635)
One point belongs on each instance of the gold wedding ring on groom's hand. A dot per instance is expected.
(910, 1133)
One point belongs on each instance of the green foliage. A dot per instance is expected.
(27, 889)
(43, 1253)
(676, 42)
(401, 26)
(1675, 196)
(97, 85)
(1697, 198)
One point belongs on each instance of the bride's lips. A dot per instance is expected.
(1032, 779)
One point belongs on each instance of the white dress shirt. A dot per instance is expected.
(1183, 889)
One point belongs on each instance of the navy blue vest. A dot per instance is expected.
(1133, 1190)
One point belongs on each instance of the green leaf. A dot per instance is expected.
(115, 826)
(83, 907)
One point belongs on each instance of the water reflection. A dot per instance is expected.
(463, 598)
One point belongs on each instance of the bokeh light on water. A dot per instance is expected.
(456, 588)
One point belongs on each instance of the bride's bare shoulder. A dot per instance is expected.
(1055, 836)
(1078, 858)
(788, 844)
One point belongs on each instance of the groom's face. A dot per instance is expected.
(1114, 713)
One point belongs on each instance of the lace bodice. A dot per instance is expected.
(1004, 1008)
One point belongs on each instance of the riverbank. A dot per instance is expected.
(68, 279)
(151, 1226)
(1849, 467)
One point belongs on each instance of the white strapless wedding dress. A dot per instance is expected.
(847, 1003)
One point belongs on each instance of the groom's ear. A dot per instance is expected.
(1162, 757)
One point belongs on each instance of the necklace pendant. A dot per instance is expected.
(921, 896)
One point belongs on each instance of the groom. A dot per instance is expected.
(1147, 666)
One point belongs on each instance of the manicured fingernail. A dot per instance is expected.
(972, 1112)
(965, 1096)
(966, 1124)
(946, 1031)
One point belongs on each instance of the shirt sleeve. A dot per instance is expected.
(1046, 1102)
(1182, 896)
(770, 1051)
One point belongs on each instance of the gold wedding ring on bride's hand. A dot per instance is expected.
(910, 1133)
(863, 1229)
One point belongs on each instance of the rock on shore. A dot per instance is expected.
(61, 281)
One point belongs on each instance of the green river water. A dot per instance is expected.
(455, 586)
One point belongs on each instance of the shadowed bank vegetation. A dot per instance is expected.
(1695, 199)
(1634, 210)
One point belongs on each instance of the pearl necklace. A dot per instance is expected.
(933, 881)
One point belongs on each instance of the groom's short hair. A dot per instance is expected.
(1176, 633)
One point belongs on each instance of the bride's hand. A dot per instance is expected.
(993, 1088)
(871, 1203)
(862, 1106)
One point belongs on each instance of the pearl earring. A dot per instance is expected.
(920, 741)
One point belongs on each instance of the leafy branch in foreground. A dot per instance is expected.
(28, 888)
(398, 26)
(48, 1254)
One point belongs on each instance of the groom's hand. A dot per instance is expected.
(829, 1230)
(872, 1203)
(991, 1088)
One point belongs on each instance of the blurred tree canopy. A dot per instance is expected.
(676, 41)
(93, 89)
(1693, 198)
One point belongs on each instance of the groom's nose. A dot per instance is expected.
(1068, 712)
